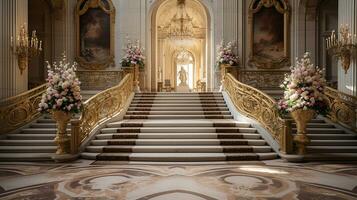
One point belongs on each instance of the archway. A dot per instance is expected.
(161, 60)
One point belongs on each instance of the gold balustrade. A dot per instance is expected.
(21, 109)
(343, 108)
(257, 105)
(99, 109)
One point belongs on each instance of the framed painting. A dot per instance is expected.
(95, 21)
(269, 34)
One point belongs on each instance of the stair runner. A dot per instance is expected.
(178, 127)
(36, 141)
(158, 126)
(328, 142)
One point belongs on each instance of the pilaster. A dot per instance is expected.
(13, 15)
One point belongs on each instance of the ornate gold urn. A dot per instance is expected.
(302, 117)
(62, 139)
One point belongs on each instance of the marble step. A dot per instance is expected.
(182, 123)
(331, 149)
(312, 121)
(179, 157)
(178, 113)
(178, 109)
(44, 121)
(27, 142)
(187, 142)
(178, 117)
(46, 125)
(317, 125)
(179, 94)
(337, 142)
(322, 131)
(28, 149)
(179, 129)
(179, 149)
(178, 97)
(178, 136)
(21, 157)
(41, 130)
(330, 156)
(183, 100)
(196, 105)
(30, 136)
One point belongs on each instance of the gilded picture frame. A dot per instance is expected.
(95, 20)
(269, 38)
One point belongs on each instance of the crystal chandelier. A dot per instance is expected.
(181, 25)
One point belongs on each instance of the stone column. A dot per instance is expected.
(13, 15)
(347, 14)
(230, 20)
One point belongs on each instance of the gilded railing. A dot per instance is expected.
(99, 109)
(19, 110)
(343, 108)
(257, 105)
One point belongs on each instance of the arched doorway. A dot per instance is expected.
(184, 60)
(161, 60)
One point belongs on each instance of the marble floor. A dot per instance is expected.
(116, 180)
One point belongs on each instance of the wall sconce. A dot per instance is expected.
(342, 47)
(25, 47)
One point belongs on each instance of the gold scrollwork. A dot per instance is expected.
(343, 108)
(259, 106)
(99, 108)
(19, 110)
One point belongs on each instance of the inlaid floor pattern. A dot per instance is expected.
(178, 127)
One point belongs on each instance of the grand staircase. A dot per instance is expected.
(328, 141)
(178, 127)
(35, 142)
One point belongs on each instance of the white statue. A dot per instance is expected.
(182, 74)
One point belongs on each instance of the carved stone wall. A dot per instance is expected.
(99, 80)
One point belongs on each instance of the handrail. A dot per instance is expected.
(100, 108)
(343, 108)
(21, 109)
(262, 108)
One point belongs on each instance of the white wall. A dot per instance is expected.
(347, 14)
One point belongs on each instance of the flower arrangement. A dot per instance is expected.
(304, 88)
(63, 89)
(133, 55)
(226, 55)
